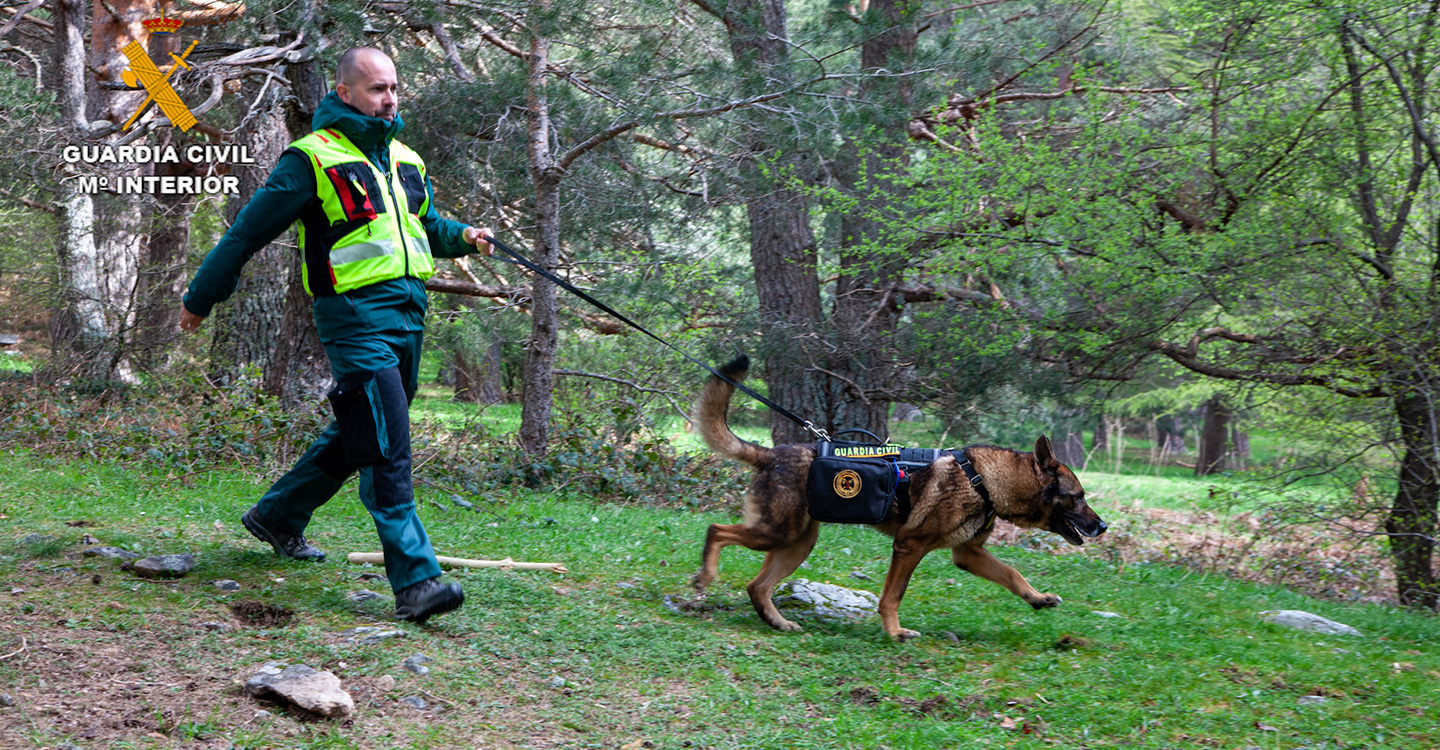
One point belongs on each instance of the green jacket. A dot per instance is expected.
(394, 305)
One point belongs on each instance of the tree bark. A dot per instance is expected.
(866, 307)
(538, 378)
(247, 327)
(1412, 523)
(477, 380)
(782, 247)
(1214, 438)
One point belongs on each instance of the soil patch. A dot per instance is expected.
(259, 615)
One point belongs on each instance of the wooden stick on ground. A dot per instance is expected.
(378, 558)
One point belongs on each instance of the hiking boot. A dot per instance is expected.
(427, 598)
(286, 545)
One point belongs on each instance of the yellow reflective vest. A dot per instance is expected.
(367, 227)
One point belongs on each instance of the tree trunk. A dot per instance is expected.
(866, 311)
(1240, 446)
(1412, 521)
(247, 327)
(299, 370)
(782, 247)
(78, 328)
(1101, 445)
(1214, 436)
(162, 275)
(477, 380)
(538, 379)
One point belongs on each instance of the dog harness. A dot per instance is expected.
(860, 483)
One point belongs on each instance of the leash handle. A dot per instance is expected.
(521, 260)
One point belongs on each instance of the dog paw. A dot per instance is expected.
(904, 634)
(788, 626)
(1045, 601)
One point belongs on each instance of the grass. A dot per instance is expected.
(595, 658)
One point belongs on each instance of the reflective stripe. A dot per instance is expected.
(361, 251)
(422, 243)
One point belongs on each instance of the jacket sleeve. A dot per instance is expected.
(447, 237)
(274, 207)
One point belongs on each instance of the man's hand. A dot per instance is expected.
(189, 321)
(476, 235)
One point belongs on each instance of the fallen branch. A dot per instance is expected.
(15, 652)
(378, 558)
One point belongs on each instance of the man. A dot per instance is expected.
(368, 230)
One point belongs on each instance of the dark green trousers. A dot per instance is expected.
(376, 376)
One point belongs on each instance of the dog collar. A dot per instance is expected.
(978, 482)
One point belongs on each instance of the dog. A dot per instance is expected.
(1030, 490)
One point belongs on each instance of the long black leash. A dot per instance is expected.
(521, 260)
(961, 456)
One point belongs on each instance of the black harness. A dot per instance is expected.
(861, 483)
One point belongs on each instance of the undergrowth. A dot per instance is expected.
(612, 450)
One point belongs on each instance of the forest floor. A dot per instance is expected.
(1155, 646)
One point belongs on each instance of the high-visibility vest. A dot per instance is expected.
(367, 227)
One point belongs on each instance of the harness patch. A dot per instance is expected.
(847, 484)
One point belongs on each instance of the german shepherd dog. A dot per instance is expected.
(1030, 490)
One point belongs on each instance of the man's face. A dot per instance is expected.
(373, 88)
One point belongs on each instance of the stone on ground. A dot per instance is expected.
(824, 601)
(1301, 620)
(313, 690)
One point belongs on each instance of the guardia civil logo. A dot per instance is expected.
(144, 72)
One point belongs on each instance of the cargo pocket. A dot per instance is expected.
(414, 184)
(355, 184)
(356, 414)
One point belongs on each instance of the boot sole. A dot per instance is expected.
(264, 535)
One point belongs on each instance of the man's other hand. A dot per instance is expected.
(475, 235)
(189, 321)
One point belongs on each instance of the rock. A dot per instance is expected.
(1301, 620)
(263, 715)
(165, 566)
(37, 539)
(366, 636)
(313, 690)
(825, 601)
(624, 585)
(415, 702)
(225, 584)
(1312, 700)
(114, 553)
(6, 701)
(362, 595)
(416, 664)
(1106, 615)
(558, 682)
(385, 683)
(858, 575)
(216, 627)
(461, 502)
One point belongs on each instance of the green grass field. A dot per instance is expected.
(595, 658)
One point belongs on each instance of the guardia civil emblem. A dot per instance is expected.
(143, 72)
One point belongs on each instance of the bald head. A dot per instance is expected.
(365, 79)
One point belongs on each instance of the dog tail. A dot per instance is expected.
(709, 416)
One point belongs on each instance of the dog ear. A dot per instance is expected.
(1043, 454)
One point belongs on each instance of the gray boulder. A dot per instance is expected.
(165, 566)
(313, 690)
(1301, 620)
(824, 601)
